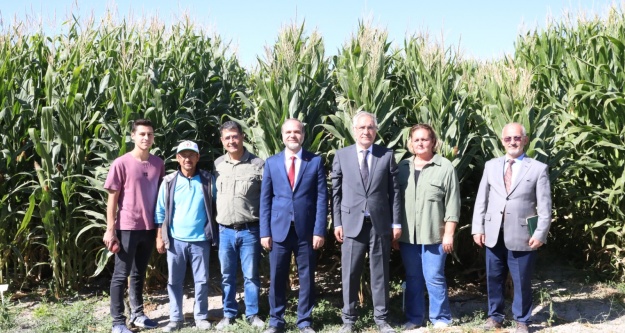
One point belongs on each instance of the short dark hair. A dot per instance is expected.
(141, 122)
(230, 125)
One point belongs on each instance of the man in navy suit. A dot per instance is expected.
(293, 210)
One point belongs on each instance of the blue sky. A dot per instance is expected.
(483, 29)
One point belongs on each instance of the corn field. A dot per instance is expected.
(67, 102)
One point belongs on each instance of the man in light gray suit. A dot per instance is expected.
(513, 188)
(366, 212)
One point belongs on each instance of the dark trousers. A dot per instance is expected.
(520, 264)
(353, 253)
(280, 266)
(132, 260)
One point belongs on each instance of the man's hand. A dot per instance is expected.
(318, 242)
(338, 234)
(266, 243)
(395, 245)
(396, 233)
(109, 238)
(160, 245)
(535, 243)
(479, 239)
(448, 243)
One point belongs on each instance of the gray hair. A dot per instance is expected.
(364, 113)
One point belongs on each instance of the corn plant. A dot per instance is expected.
(584, 81)
(434, 90)
(292, 82)
(363, 82)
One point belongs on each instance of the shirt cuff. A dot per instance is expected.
(396, 226)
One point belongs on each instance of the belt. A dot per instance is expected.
(241, 226)
(367, 219)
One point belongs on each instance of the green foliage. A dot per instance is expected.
(363, 83)
(292, 82)
(67, 102)
(581, 85)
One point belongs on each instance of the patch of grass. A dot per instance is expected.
(7, 317)
(59, 317)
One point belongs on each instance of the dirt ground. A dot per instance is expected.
(564, 302)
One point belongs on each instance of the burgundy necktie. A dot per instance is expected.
(292, 172)
(507, 178)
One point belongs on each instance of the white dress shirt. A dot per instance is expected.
(515, 167)
(298, 163)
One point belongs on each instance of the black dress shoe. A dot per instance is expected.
(273, 329)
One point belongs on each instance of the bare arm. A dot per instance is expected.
(448, 237)
(111, 215)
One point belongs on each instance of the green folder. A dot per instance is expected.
(532, 223)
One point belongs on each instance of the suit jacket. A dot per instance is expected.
(307, 202)
(530, 195)
(350, 196)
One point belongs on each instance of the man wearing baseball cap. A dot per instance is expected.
(186, 228)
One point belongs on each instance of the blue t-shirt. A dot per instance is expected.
(188, 212)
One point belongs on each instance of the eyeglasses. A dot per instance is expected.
(515, 138)
(189, 156)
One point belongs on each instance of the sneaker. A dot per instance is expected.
(203, 324)
(224, 322)
(440, 325)
(384, 327)
(143, 321)
(120, 329)
(173, 326)
(409, 326)
(255, 321)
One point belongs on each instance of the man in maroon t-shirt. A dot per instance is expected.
(132, 184)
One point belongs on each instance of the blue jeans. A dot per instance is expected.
(425, 265)
(178, 255)
(234, 245)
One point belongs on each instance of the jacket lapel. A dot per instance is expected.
(281, 166)
(525, 166)
(302, 168)
(374, 162)
(500, 173)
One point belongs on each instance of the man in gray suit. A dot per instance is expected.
(513, 190)
(366, 212)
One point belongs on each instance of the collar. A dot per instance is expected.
(436, 159)
(246, 157)
(197, 172)
(287, 154)
(359, 149)
(516, 160)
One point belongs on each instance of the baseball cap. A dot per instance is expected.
(188, 145)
